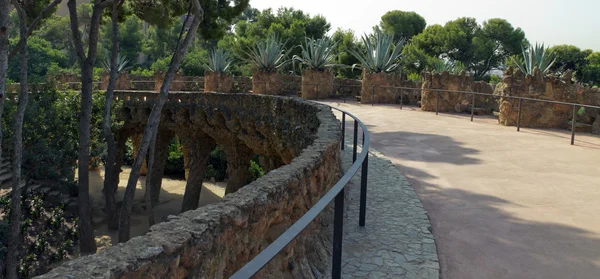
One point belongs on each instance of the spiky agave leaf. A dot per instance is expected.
(268, 55)
(122, 64)
(381, 53)
(317, 54)
(437, 65)
(534, 56)
(219, 61)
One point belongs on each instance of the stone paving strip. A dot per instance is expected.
(396, 241)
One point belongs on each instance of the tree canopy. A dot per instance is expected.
(402, 24)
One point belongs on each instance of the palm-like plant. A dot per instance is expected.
(535, 56)
(317, 54)
(381, 55)
(219, 61)
(269, 55)
(439, 66)
(122, 64)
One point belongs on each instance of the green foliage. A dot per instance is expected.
(194, 63)
(131, 38)
(143, 72)
(437, 65)
(536, 56)
(268, 55)
(494, 79)
(219, 61)
(414, 77)
(122, 64)
(345, 41)
(591, 71)
(50, 134)
(479, 48)
(569, 57)
(41, 56)
(381, 53)
(161, 65)
(255, 170)
(217, 165)
(317, 54)
(402, 24)
(175, 165)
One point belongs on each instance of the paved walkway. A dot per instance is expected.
(396, 241)
(502, 204)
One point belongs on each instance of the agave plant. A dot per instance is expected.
(122, 64)
(269, 55)
(219, 61)
(317, 54)
(439, 66)
(535, 56)
(381, 54)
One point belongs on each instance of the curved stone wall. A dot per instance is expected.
(216, 240)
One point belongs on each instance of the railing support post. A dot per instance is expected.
(519, 115)
(363, 191)
(343, 130)
(472, 107)
(338, 235)
(401, 98)
(355, 140)
(372, 95)
(573, 126)
(437, 102)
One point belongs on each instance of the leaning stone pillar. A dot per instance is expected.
(154, 182)
(137, 140)
(269, 163)
(238, 163)
(196, 149)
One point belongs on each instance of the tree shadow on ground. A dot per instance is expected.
(478, 237)
(171, 196)
(424, 147)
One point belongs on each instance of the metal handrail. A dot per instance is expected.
(269, 253)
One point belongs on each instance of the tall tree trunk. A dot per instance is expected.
(14, 237)
(4, 47)
(153, 120)
(87, 244)
(110, 170)
(147, 194)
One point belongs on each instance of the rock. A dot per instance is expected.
(596, 127)
(212, 180)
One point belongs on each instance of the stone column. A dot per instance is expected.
(238, 161)
(196, 148)
(154, 182)
(269, 163)
(137, 140)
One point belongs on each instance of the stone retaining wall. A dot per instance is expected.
(216, 240)
(450, 101)
(545, 115)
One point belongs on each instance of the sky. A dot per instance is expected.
(553, 22)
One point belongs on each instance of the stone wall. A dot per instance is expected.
(545, 115)
(217, 82)
(347, 88)
(377, 88)
(216, 240)
(275, 84)
(451, 101)
(316, 84)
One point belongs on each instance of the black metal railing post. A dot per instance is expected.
(363, 191)
(338, 235)
(355, 140)
(472, 107)
(519, 115)
(437, 102)
(573, 126)
(343, 130)
(401, 98)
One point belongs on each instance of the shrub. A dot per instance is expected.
(255, 170)
(381, 53)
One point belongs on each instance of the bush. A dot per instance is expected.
(175, 163)
(255, 170)
(50, 134)
(194, 63)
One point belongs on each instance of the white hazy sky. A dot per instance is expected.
(553, 22)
